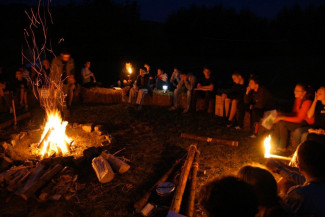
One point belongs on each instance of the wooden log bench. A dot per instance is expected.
(101, 95)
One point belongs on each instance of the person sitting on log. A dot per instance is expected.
(308, 199)
(228, 197)
(175, 79)
(298, 118)
(88, 78)
(234, 101)
(265, 186)
(186, 84)
(151, 75)
(161, 79)
(140, 88)
(205, 88)
(259, 100)
(315, 132)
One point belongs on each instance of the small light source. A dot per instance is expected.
(165, 88)
(130, 70)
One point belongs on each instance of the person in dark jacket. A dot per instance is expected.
(259, 100)
(140, 88)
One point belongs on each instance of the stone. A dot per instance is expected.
(13, 143)
(98, 128)
(87, 128)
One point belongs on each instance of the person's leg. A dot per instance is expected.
(284, 128)
(141, 94)
(188, 100)
(25, 100)
(227, 105)
(70, 94)
(233, 109)
(256, 116)
(299, 135)
(132, 95)
(176, 94)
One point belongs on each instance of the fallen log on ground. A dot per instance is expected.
(117, 164)
(177, 199)
(143, 200)
(191, 199)
(41, 181)
(103, 170)
(210, 140)
(10, 122)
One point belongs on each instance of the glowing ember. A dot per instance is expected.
(267, 149)
(54, 139)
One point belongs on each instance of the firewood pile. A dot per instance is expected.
(101, 95)
(56, 177)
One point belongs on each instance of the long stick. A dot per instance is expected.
(280, 157)
(14, 112)
(177, 200)
(211, 140)
(190, 207)
(143, 200)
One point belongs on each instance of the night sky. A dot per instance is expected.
(159, 10)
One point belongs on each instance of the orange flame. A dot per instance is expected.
(57, 141)
(128, 67)
(267, 146)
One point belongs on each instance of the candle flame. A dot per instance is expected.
(128, 67)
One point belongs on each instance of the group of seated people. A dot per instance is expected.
(254, 191)
(45, 75)
(306, 119)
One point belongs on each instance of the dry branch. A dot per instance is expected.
(211, 140)
(191, 199)
(143, 200)
(177, 200)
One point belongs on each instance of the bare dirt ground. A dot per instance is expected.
(150, 141)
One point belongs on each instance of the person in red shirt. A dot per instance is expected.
(298, 118)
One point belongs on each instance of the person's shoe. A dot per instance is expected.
(173, 108)
(237, 127)
(253, 136)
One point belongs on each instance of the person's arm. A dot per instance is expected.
(248, 96)
(311, 110)
(301, 115)
(206, 88)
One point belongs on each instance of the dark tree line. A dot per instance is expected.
(108, 34)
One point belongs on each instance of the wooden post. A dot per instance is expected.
(208, 139)
(143, 200)
(14, 111)
(190, 207)
(177, 200)
(117, 165)
(103, 170)
(41, 181)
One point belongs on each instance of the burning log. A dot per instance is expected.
(211, 140)
(143, 200)
(190, 207)
(117, 165)
(177, 200)
(103, 170)
(28, 192)
(46, 137)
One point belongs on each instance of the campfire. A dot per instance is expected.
(54, 139)
(267, 150)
